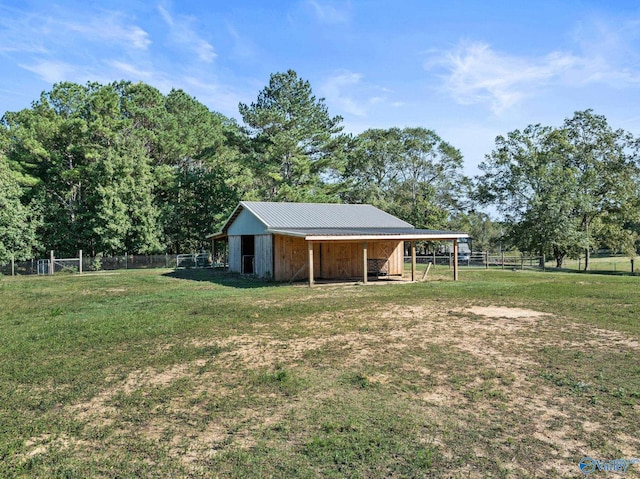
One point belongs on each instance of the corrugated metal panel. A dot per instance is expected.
(322, 215)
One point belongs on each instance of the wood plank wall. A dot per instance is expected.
(263, 261)
(332, 260)
(235, 252)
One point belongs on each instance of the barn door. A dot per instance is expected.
(248, 251)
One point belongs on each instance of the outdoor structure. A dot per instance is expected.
(296, 241)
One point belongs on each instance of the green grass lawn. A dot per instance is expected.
(200, 374)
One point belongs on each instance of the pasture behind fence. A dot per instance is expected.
(89, 264)
(516, 261)
(478, 260)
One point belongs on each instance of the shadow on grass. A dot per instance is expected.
(600, 272)
(223, 278)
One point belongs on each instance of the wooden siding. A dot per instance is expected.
(332, 260)
(246, 224)
(263, 262)
(235, 251)
(291, 257)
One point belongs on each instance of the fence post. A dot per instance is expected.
(126, 260)
(13, 265)
(166, 260)
(486, 260)
(434, 257)
(80, 262)
(449, 259)
(632, 265)
(521, 262)
(51, 262)
(502, 258)
(544, 262)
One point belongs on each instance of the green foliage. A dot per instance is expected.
(297, 146)
(121, 167)
(17, 221)
(486, 234)
(562, 190)
(411, 173)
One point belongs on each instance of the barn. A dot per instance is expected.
(311, 241)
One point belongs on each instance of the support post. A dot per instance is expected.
(310, 246)
(364, 263)
(13, 265)
(632, 262)
(455, 260)
(80, 261)
(486, 260)
(51, 262)
(413, 261)
(502, 259)
(213, 254)
(434, 258)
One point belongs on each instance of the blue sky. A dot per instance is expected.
(468, 70)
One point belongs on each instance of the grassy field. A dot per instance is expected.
(196, 374)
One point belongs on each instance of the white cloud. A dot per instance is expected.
(53, 71)
(183, 32)
(333, 89)
(604, 53)
(477, 74)
(110, 29)
(129, 69)
(326, 13)
(348, 94)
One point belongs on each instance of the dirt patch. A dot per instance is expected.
(500, 365)
(504, 312)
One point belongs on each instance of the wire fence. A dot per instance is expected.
(511, 261)
(104, 263)
(481, 260)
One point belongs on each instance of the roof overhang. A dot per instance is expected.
(374, 234)
(218, 235)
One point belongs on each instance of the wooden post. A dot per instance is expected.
(486, 260)
(13, 265)
(80, 261)
(544, 262)
(364, 262)
(632, 261)
(51, 262)
(455, 260)
(426, 272)
(413, 261)
(450, 262)
(310, 246)
(502, 259)
(434, 258)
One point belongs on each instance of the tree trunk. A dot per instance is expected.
(559, 256)
(586, 259)
(586, 250)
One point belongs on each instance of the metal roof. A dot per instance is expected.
(322, 215)
(326, 221)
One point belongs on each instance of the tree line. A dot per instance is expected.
(124, 168)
